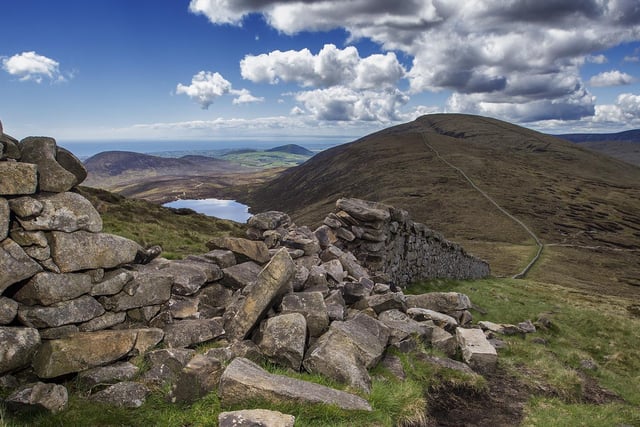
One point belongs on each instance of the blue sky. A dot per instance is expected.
(226, 69)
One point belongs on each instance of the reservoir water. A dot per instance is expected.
(225, 209)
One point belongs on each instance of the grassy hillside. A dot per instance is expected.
(583, 205)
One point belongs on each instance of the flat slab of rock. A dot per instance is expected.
(4, 218)
(78, 310)
(256, 299)
(15, 264)
(143, 290)
(122, 371)
(18, 347)
(240, 275)
(185, 333)
(48, 288)
(255, 418)
(82, 351)
(40, 396)
(442, 302)
(477, 351)
(244, 248)
(364, 210)
(99, 250)
(243, 380)
(126, 394)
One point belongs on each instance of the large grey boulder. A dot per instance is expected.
(18, 178)
(282, 339)
(82, 351)
(243, 381)
(255, 418)
(127, 394)
(63, 212)
(52, 176)
(476, 349)
(40, 396)
(312, 306)
(99, 250)
(47, 288)
(79, 310)
(240, 275)
(18, 347)
(254, 302)
(15, 264)
(185, 333)
(364, 210)
(143, 290)
(348, 349)
(243, 248)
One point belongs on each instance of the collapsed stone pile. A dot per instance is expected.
(75, 301)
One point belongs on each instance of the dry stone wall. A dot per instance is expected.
(385, 240)
(75, 301)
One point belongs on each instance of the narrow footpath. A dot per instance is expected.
(540, 245)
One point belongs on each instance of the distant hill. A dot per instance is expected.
(624, 146)
(292, 149)
(626, 136)
(585, 204)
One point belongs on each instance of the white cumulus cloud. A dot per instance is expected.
(206, 87)
(611, 78)
(30, 66)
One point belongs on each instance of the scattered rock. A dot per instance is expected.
(240, 275)
(63, 212)
(121, 371)
(476, 350)
(127, 394)
(40, 396)
(200, 376)
(282, 339)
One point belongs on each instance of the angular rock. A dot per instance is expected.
(39, 254)
(402, 327)
(18, 347)
(243, 380)
(185, 333)
(221, 257)
(334, 270)
(353, 292)
(71, 163)
(476, 350)
(249, 249)
(64, 212)
(121, 371)
(104, 321)
(112, 282)
(166, 364)
(255, 418)
(82, 351)
(388, 301)
(282, 339)
(364, 210)
(300, 278)
(29, 238)
(143, 290)
(444, 341)
(15, 264)
(5, 213)
(348, 349)
(147, 339)
(18, 178)
(8, 310)
(99, 250)
(336, 307)
(311, 305)
(302, 239)
(215, 295)
(240, 275)
(10, 145)
(439, 319)
(247, 349)
(326, 236)
(442, 302)
(269, 220)
(250, 307)
(40, 396)
(48, 288)
(78, 310)
(126, 394)
(200, 376)
(52, 176)
(351, 266)
(58, 332)
(183, 307)
(26, 206)
(187, 278)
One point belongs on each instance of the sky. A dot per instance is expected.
(82, 70)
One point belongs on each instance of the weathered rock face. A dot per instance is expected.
(42, 151)
(476, 350)
(282, 339)
(39, 397)
(78, 310)
(252, 250)
(18, 178)
(243, 380)
(15, 264)
(18, 347)
(126, 394)
(48, 288)
(255, 418)
(63, 212)
(100, 250)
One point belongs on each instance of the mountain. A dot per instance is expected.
(291, 149)
(584, 206)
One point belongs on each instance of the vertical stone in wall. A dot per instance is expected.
(15, 264)
(4, 218)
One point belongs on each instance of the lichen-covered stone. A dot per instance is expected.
(15, 264)
(78, 310)
(18, 178)
(47, 288)
(282, 339)
(18, 347)
(52, 176)
(40, 396)
(63, 212)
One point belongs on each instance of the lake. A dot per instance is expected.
(225, 209)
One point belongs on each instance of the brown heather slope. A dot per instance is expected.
(585, 206)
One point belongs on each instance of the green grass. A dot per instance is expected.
(266, 159)
(584, 327)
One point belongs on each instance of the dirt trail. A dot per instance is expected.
(539, 244)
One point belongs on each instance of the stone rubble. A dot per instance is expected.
(75, 301)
